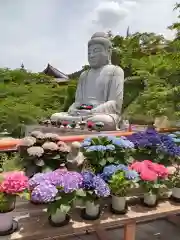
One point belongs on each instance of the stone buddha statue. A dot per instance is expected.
(101, 86)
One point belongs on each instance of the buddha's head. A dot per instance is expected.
(99, 50)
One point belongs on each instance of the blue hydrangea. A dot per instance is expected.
(111, 169)
(108, 171)
(98, 148)
(131, 175)
(85, 144)
(110, 147)
(123, 143)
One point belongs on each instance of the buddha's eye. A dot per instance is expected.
(96, 50)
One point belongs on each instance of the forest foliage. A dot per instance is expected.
(152, 87)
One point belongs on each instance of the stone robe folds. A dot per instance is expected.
(102, 87)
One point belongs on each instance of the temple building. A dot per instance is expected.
(56, 74)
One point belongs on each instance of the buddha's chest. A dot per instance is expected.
(97, 84)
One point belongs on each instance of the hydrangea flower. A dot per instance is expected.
(44, 193)
(87, 182)
(28, 141)
(148, 175)
(111, 169)
(100, 187)
(131, 175)
(50, 146)
(96, 184)
(110, 147)
(149, 170)
(98, 148)
(85, 144)
(35, 151)
(121, 142)
(71, 181)
(13, 182)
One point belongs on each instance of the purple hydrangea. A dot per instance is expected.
(37, 179)
(169, 146)
(101, 189)
(87, 182)
(148, 138)
(71, 181)
(96, 184)
(44, 193)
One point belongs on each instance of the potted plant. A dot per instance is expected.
(174, 183)
(153, 177)
(120, 184)
(58, 190)
(42, 156)
(93, 189)
(103, 150)
(12, 184)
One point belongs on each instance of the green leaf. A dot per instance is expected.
(81, 193)
(102, 162)
(65, 208)
(57, 157)
(110, 159)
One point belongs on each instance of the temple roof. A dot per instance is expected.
(54, 72)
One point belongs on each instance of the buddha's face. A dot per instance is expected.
(97, 55)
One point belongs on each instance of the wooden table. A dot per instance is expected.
(33, 223)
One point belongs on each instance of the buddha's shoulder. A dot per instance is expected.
(112, 69)
(84, 74)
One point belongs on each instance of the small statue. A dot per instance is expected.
(75, 158)
(101, 87)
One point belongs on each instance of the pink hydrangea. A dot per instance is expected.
(148, 175)
(150, 171)
(13, 182)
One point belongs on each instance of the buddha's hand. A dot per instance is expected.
(72, 111)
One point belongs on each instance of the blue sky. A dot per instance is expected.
(36, 32)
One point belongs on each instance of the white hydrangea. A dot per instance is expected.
(50, 146)
(52, 136)
(35, 151)
(28, 141)
(36, 133)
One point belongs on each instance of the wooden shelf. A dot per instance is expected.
(34, 225)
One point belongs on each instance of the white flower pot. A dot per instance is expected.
(58, 217)
(118, 203)
(92, 209)
(6, 221)
(78, 203)
(176, 192)
(150, 199)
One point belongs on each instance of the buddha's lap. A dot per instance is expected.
(108, 120)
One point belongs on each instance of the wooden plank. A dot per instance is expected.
(35, 224)
(130, 231)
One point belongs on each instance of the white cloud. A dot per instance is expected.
(57, 31)
(109, 14)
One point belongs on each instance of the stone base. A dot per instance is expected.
(61, 131)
